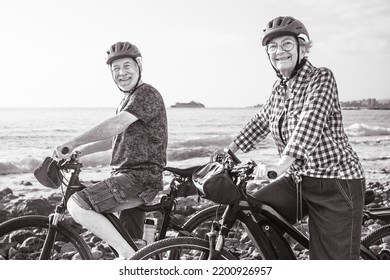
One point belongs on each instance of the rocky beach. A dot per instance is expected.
(32, 199)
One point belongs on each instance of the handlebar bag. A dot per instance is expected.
(48, 174)
(214, 182)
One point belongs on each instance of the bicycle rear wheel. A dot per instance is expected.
(378, 242)
(182, 248)
(22, 238)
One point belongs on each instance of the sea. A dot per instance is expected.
(28, 135)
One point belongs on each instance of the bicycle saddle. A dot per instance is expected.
(184, 172)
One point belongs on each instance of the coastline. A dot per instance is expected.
(25, 185)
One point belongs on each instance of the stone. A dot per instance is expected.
(5, 192)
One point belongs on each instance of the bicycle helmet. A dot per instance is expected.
(281, 26)
(121, 50)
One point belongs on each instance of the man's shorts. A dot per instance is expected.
(117, 189)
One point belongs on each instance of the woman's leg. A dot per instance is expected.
(281, 195)
(335, 217)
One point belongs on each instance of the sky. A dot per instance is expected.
(52, 53)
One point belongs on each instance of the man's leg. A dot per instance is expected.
(101, 226)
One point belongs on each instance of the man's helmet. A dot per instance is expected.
(121, 50)
(281, 26)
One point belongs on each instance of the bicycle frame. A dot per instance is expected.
(266, 228)
(165, 206)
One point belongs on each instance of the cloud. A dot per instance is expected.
(352, 27)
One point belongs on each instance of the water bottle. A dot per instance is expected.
(150, 227)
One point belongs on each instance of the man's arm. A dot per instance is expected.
(105, 130)
(95, 147)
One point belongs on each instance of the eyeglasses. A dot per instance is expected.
(286, 46)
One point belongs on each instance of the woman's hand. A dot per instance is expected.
(216, 153)
(262, 170)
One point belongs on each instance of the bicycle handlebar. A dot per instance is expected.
(272, 174)
(249, 167)
(232, 155)
(65, 150)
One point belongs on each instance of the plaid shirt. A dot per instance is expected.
(306, 125)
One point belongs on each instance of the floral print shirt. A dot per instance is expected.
(142, 146)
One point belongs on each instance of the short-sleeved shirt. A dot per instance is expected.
(306, 125)
(143, 144)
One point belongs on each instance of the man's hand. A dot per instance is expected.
(63, 151)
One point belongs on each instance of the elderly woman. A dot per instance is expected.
(321, 175)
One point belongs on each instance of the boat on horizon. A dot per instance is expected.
(191, 104)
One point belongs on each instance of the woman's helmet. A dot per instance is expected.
(281, 26)
(121, 50)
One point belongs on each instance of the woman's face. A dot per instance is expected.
(283, 53)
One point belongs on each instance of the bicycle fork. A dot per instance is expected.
(217, 242)
(52, 232)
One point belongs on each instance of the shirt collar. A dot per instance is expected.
(303, 75)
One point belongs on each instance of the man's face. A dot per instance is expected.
(125, 73)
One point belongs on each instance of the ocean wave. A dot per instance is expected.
(220, 141)
(28, 165)
(177, 151)
(359, 129)
(185, 153)
(25, 165)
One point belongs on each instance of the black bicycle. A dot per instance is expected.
(57, 236)
(249, 227)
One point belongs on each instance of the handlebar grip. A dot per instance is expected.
(232, 155)
(65, 150)
(272, 174)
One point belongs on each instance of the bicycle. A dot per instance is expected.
(268, 232)
(57, 237)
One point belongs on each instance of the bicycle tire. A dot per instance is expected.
(238, 241)
(23, 238)
(197, 224)
(184, 248)
(378, 242)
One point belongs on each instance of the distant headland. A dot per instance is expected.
(191, 104)
(370, 103)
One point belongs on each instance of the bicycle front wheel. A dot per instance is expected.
(182, 248)
(378, 242)
(238, 240)
(23, 238)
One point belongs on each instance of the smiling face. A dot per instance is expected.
(283, 53)
(125, 72)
